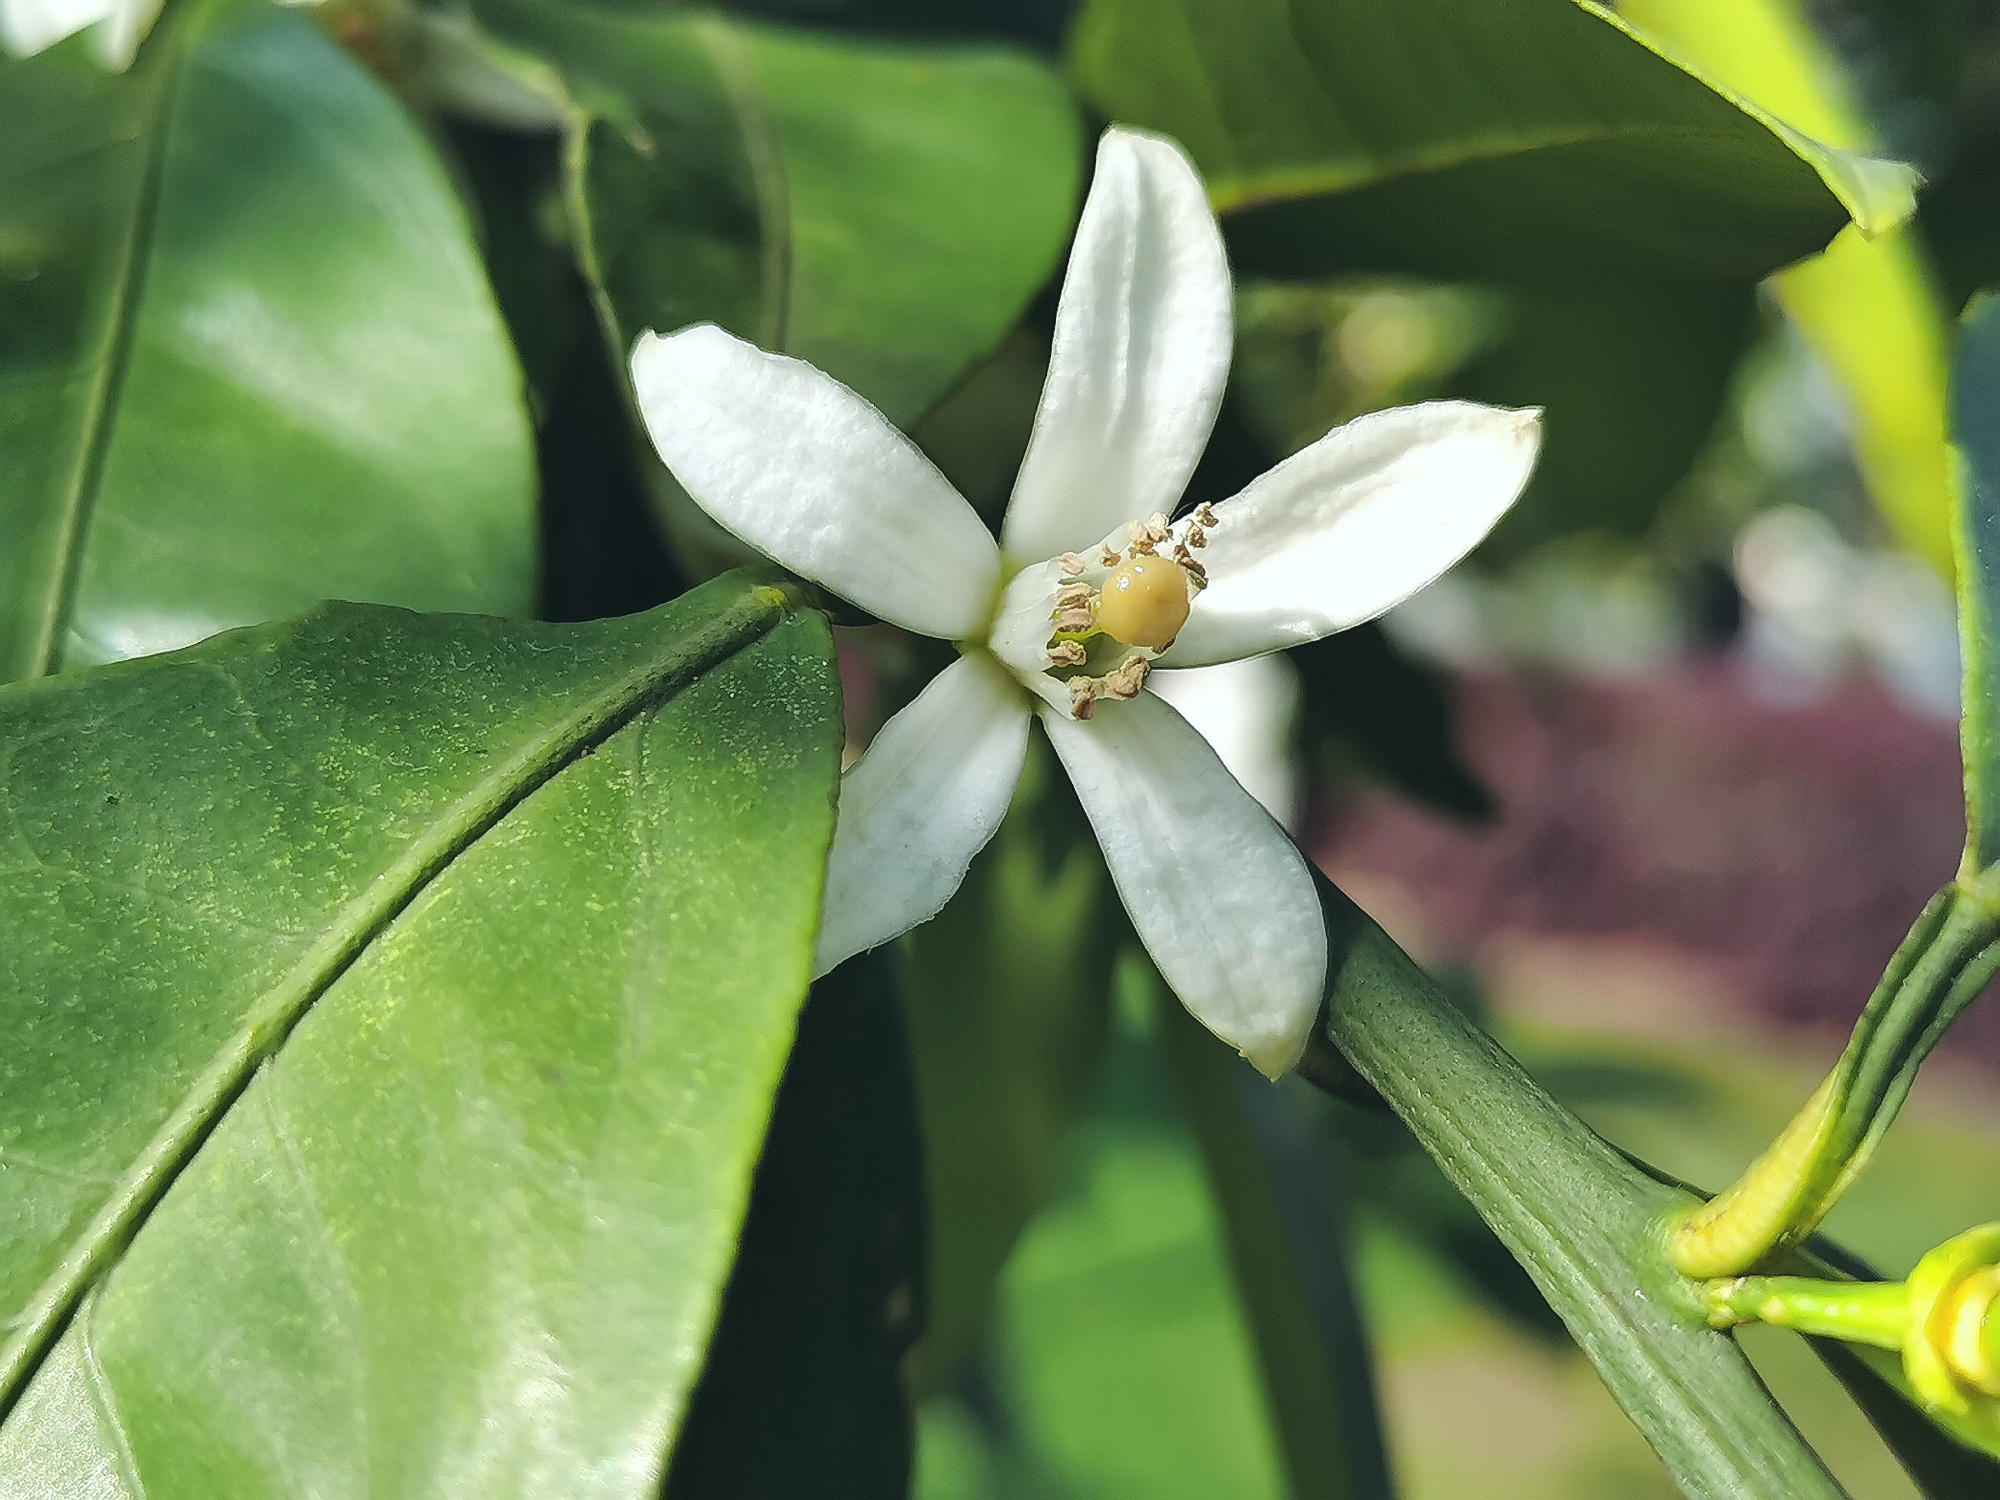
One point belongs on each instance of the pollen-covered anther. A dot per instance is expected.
(1066, 654)
(1125, 681)
(1109, 556)
(1070, 595)
(1156, 528)
(1076, 620)
(1204, 515)
(1139, 540)
(1082, 696)
(1144, 602)
(1195, 570)
(1072, 563)
(1195, 537)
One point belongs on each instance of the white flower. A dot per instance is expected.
(30, 26)
(1088, 588)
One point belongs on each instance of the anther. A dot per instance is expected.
(1196, 537)
(1126, 681)
(1082, 697)
(1108, 557)
(1156, 527)
(1066, 654)
(1069, 595)
(1071, 563)
(1074, 621)
(1204, 515)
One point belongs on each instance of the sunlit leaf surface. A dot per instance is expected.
(248, 359)
(394, 1008)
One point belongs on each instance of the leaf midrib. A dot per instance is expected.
(277, 1012)
(114, 360)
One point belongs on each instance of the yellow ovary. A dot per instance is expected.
(1144, 602)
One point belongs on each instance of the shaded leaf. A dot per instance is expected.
(394, 1008)
(1468, 137)
(883, 211)
(1008, 991)
(1288, 1256)
(1867, 307)
(238, 305)
(805, 1389)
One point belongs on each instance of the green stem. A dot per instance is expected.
(1582, 1220)
(1855, 1312)
(1783, 1195)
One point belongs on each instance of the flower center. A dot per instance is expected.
(1115, 613)
(1144, 602)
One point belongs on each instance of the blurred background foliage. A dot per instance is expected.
(1618, 775)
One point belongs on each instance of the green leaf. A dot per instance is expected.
(1008, 991)
(394, 1008)
(1586, 1223)
(1975, 424)
(883, 211)
(1633, 373)
(248, 359)
(1866, 306)
(1468, 137)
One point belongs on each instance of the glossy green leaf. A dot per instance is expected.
(1468, 137)
(1975, 427)
(1867, 307)
(248, 359)
(883, 211)
(1008, 991)
(394, 1008)
(1585, 1222)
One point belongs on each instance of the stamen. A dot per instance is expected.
(1069, 595)
(1082, 697)
(1140, 539)
(1125, 682)
(1066, 654)
(1071, 563)
(1156, 527)
(1204, 515)
(1107, 557)
(1074, 621)
(1196, 537)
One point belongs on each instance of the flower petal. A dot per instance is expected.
(1245, 710)
(815, 478)
(1141, 354)
(914, 810)
(1221, 897)
(1357, 522)
(28, 26)
(1022, 626)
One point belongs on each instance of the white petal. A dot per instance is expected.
(118, 43)
(1357, 522)
(815, 478)
(28, 26)
(914, 810)
(1221, 897)
(1244, 709)
(1141, 354)
(1022, 626)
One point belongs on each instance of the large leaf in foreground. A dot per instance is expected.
(1468, 137)
(882, 211)
(394, 1007)
(248, 359)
